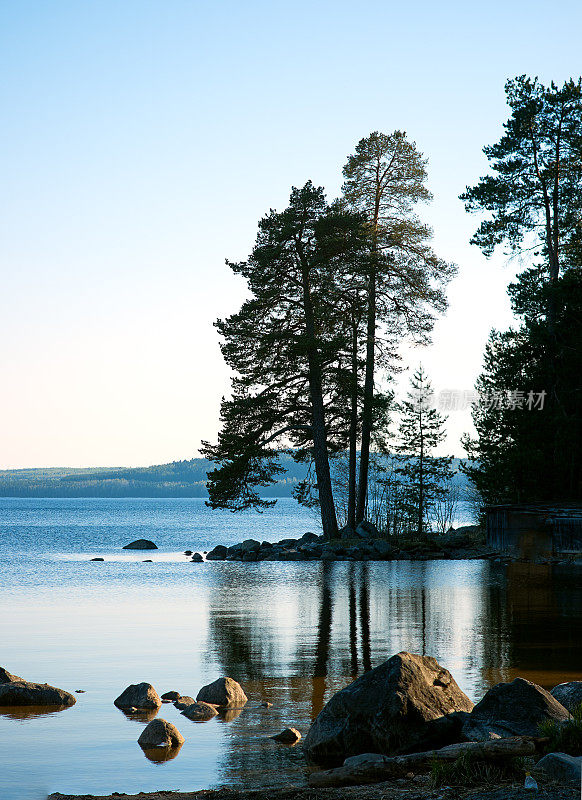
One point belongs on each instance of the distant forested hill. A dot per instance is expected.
(178, 479)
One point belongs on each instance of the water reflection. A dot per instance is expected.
(159, 755)
(330, 622)
(140, 714)
(30, 712)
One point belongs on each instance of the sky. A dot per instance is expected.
(141, 142)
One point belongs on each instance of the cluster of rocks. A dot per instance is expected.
(412, 705)
(161, 740)
(16, 691)
(362, 544)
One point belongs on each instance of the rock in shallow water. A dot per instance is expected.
(200, 712)
(288, 736)
(138, 695)
(25, 693)
(224, 692)
(183, 702)
(141, 544)
(160, 733)
(401, 705)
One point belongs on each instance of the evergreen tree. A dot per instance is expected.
(527, 452)
(385, 179)
(425, 478)
(528, 448)
(285, 346)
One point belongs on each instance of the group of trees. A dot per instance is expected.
(526, 451)
(333, 289)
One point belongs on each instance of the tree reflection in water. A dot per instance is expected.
(296, 633)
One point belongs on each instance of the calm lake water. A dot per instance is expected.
(291, 633)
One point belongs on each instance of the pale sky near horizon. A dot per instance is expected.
(143, 139)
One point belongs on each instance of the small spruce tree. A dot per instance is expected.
(425, 477)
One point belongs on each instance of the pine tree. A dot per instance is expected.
(425, 478)
(286, 346)
(385, 179)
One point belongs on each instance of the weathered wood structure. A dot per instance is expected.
(535, 530)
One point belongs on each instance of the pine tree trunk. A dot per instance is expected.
(368, 397)
(353, 435)
(320, 454)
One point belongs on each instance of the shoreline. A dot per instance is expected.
(413, 790)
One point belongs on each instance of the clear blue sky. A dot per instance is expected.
(142, 141)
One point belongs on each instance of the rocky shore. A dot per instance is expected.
(404, 729)
(363, 544)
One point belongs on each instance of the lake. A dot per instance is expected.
(291, 633)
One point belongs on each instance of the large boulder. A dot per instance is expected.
(512, 709)
(400, 706)
(568, 694)
(224, 692)
(8, 677)
(160, 733)
(25, 693)
(200, 712)
(141, 544)
(138, 695)
(218, 554)
(561, 768)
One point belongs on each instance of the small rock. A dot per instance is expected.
(200, 712)
(160, 733)
(183, 702)
(79, 691)
(138, 695)
(96, 559)
(187, 552)
(147, 561)
(224, 692)
(266, 704)
(561, 768)
(288, 736)
(141, 544)
(171, 696)
(197, 558)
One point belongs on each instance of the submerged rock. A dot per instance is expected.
(25, 693)
(141, 544)
(200, 712)
(512, 709)
(400, 706)
(224, 692)
(160, 733)
(138, 695)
